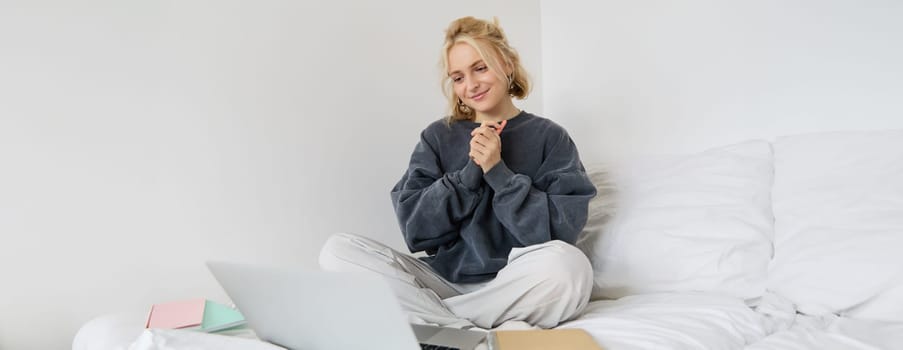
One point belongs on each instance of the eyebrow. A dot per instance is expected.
(471, 66)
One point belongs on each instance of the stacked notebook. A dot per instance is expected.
(195, 314)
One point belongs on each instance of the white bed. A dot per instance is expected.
(653, 321)
(792, 244)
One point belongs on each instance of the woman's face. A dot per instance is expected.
(474, 82)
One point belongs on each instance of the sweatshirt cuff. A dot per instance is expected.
(471, 176)
(498, 176)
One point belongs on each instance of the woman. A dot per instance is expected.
(493, 195)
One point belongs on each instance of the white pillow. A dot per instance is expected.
(699, 222)
(838, 203)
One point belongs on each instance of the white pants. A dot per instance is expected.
(542, 285)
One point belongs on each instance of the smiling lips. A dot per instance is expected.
(479, 96)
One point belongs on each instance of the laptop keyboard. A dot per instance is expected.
(435, 347)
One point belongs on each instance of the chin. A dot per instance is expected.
(485, 106)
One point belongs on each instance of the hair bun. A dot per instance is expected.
(474, 27)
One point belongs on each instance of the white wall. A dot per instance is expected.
(139, 139)
(659, 76)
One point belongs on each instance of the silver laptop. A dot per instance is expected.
(314, 310)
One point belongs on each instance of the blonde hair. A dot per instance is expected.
(488, 39)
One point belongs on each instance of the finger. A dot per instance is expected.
(502, 126)
(475, 157)
(490, 125)
(479, 149)
(479, 145)
(480, 140)
(487, 139)
(480, 130)
(493, 135)
(496, 127)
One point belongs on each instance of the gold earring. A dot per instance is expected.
(511, 84)
(463, 108)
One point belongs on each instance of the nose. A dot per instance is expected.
(472, 84)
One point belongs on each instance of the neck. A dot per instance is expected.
(504, 111)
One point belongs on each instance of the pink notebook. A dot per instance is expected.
(177, 314)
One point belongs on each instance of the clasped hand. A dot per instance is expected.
(485, 146)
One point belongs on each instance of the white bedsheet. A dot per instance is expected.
(125, 331)
(175, 339)
(652, 321)
(673, 321)
(834, 333)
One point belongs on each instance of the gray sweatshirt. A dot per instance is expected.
(466, 221)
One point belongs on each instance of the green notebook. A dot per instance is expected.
(218, 317)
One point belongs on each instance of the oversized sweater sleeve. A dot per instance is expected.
(551, 206)
(430, 203)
